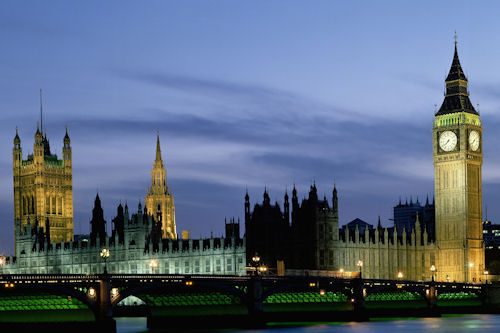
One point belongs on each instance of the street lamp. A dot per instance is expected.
(471, 264)
(360, 265)
(153, 263)
(400, 275)
(486, 276)
(105, 256)
(447, 278)
(255, 260)
(433, 270)
(2, 261)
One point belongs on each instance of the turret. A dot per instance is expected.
(98, 224)
(38, 146)
(67, 149)
(17, 153)
(286, 209)
(295, 204)
(119, 222)
(247, 208)
(313, 193)
(335, 203)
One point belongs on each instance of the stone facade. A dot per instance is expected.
(160, 201)
(453, 244)
(143, 242)
(43, 187)
(458, 157)
(314, 241)
(35, 255)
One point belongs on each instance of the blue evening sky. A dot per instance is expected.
(244, 94)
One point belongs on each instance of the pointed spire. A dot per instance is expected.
(41, 116)
(17, 140)
(456, 72)
(457, 94)
(158, 151)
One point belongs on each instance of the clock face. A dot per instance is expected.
(447, 140)
(474, 140)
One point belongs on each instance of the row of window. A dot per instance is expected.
(53, 204)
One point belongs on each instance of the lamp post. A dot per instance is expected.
(400, 275)
(105, 256)
(486, 276)
(2, 261)
(255, 260)
(360, 265)
(153, 264)
(447, 278)
(433, 270)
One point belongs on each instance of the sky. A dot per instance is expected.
(244, 95)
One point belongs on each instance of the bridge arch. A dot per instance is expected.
(61, 290)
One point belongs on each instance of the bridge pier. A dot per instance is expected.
(255, 302)
(104, 318)
(431, 295)
(358, 300)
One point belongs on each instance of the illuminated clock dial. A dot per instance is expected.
(447, 140)
(474, 140)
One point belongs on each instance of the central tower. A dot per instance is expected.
(160, 200)
(43, 187)
(458, 156)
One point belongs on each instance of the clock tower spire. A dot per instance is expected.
(458, 157)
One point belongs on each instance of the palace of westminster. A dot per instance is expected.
(307, 237)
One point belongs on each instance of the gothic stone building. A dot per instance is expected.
(137, 240)
(313, 239)
(43, 186)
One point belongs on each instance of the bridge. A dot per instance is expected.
(250, 299)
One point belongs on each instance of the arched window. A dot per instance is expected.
(47, 204)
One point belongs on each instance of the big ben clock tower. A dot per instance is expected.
(458, 156)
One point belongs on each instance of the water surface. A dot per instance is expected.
(445, 324)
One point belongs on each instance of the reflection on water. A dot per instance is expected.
(131, 325)
(445, 324)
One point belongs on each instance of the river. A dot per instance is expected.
(445, 324)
